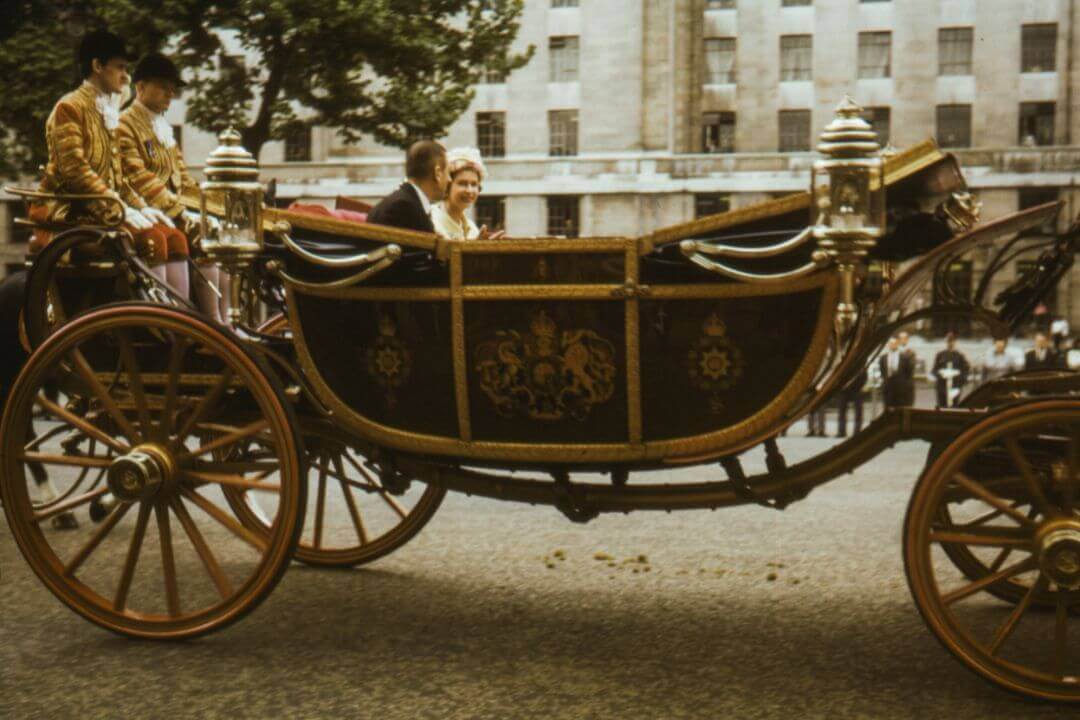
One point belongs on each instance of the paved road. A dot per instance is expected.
(745, 613)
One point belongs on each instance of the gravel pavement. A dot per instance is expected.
(500, 610)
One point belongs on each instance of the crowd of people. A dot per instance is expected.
(895, 372)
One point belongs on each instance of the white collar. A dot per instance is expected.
(163, 131)
(107, 105)
(423, 197)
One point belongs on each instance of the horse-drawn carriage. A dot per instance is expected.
(403, 365)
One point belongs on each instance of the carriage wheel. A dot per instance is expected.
(352, 519)
(1006, 491)
(168, 560)
(974, 566)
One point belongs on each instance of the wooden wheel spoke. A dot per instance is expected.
(134, 549)
(232, 437)
(209, 562)
(208, 402)
(354, 511)
(77, 422)
(106, 527)
(982, 519)
(997, 537)
(224, 519)
(1000, 559)
(974, 587)
(1026, 471)
(377, 487)
(84, 461)
(320, 500)
(231, 480)
(991, 499)
(172, 383)
(168, 562)
(1013, 620)
(82, 367)
(135, 384)
(261, 467)
(69, 504)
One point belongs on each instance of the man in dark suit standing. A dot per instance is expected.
(897, 375)
(950, 372)
(1042, 356)
(409, 206)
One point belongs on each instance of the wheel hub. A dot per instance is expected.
(140, 474)
(1059, 553)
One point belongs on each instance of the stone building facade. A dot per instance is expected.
(636, 114)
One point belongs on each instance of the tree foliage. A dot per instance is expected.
(395, 70)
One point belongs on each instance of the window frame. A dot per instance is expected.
(491, 121)
(1030, 52)
(866, 71)
(570, 203)
(938, 111)
(720, 116)
(967, 64)
(556, 128)
(805, 143)
(790, 69)
(560, 50)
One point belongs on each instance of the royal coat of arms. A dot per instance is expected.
(546, 374)
(714, 364)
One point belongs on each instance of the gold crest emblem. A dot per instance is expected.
(389, 362)
(546, 374)
(714, 363)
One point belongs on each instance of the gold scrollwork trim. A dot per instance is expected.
(716, 442)
(390, 294)
(633, 351)
(540, 292)
(461, 370)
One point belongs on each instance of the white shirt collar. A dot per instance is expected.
(107, 105)
(163, 131)
(423, 197)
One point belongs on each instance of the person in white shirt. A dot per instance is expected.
(897, 369)
(450, 218)
(999, 361)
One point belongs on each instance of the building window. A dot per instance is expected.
(562, 126)
(564, 3)
(491, 212)
(1038, 48)
(875, 54)
(491, 133)
(879, 118)
(796, 57)
(564, 215)
(1037, 123)
(298, 144)
(711, 204)
(718, 132)
(954, 126)
(794, 130)
(796, 3)
(719, 4)
(1033, 197)
(954, 51)
(178, 133)
(564, 59)
(719, 60)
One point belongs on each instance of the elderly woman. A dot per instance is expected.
(466, 171)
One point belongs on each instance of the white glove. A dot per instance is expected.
(136, 219)
(212, 223)
(156, 217)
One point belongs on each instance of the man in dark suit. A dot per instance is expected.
(851, 395)
(1042, 356)
(409, 206)
(897, 375)
(950, 372)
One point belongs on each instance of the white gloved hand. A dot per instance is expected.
(212, 223)
(156, 217)
(136, 219)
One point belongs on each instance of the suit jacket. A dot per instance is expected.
(1049, 361)
(155, 171)
(83, 158)
(402, 209)
(899, 388)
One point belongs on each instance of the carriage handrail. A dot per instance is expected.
(740, 251)
(28, 193)
(376, 261)
(693, 250)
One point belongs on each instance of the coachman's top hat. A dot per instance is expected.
(155, 66)
(101, 45)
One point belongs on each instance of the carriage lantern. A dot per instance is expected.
(232, 178)
(848, 190)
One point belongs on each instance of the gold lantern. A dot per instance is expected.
(848, 190)
(232, 180)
